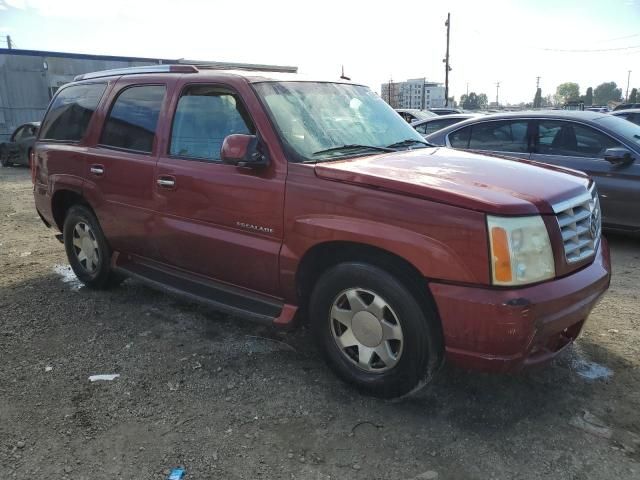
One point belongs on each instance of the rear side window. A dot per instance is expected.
(505, 136)
(205, 115)
(69, 114)
(133, 118)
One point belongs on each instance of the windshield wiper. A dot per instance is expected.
(354, 146)
(409, 141)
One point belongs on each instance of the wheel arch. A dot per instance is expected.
(323, 256)
(62, 200)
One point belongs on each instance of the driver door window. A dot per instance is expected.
(204, 116)
(572, 140)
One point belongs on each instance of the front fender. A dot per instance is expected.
(432, 257)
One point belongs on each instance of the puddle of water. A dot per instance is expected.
(67, 276)
(587, 369)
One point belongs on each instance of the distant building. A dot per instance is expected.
(29, 79)
(413, 93)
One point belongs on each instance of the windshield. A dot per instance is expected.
(317, 120)
(626, 129)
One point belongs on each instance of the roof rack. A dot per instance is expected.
(255, 67)
(138, 70)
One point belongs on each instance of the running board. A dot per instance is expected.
(219, 296)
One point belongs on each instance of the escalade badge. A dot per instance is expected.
(255, 228)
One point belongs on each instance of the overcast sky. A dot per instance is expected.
(491, 40)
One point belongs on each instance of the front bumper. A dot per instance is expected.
(504, 330)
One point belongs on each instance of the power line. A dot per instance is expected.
(584, 50)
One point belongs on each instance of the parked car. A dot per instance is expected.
(631, 114)
(413, 114)
(625, 106)
(598, 108)
(445, 111)
(268, 196)
(602, 145)
(430, 125)
(20, 145)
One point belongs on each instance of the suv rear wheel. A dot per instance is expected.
(373, 331)
(87, 250)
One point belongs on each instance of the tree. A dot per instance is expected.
(588, 98)
(567, 92)
(537, 100)
(607, 92)
(474, 101)
(483, 102)
(633, 96)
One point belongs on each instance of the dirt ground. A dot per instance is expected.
(229, 399)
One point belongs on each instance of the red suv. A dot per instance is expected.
(278, 198)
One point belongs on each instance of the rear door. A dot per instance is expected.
(506, 137)
(581, 147)
(120, 167)
(217, 220)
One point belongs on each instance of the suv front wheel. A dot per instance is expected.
(373, 331)
(87, 249)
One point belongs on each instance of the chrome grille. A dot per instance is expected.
(580, 222)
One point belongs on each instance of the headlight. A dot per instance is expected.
(520, 250)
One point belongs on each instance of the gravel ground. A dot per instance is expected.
(229, 399)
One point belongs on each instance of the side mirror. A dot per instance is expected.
(243, 151)
(618, 156)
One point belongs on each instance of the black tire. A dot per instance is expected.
(422, 344)
(4, 156)
(102, 276)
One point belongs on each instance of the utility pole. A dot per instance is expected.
(467, 89)
(537, 83)
(628, 78)
(497, 89)
(447, 68)
(9, 44)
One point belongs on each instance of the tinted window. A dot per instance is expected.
(18, 134)
(504, 136)
(635, 118)
(422, 128)
(460, 138)
(439, 124)
(133, 118)
(70, 112)
(205, 115)
(572, 139)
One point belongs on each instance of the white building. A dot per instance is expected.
(414, 93)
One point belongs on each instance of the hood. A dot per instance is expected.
(485, 183)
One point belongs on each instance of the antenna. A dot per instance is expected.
(342, 76)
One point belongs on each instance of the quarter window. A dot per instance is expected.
(571, 139)
(460, 138)
(503, 136)
(69, 114)
(132, 122)
(204, 117)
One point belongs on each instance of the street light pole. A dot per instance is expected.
(628, 78)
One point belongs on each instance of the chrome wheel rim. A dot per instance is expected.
(85, 247)
(366, 330)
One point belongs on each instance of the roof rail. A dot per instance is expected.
(138, 70)
(255, 67)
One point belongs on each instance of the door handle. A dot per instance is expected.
(97, 169)
(166, 182)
